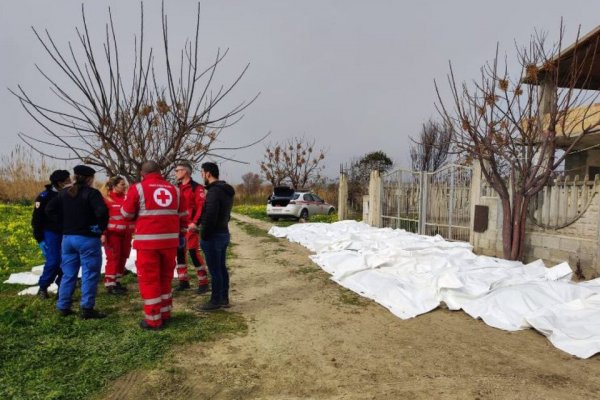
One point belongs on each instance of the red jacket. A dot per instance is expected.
(194, 196)
(117, 224)
(159, 211)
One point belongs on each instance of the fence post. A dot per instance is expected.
(451, 203)
(343, 197)
(365, 215)
(375, 199)
(371, 199)
(381, 195)
(475, 197)
(423, 202)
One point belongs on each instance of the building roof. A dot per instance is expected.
(585, 53)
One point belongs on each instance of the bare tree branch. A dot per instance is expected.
(115, 124)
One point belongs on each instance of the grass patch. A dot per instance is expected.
(260, 212)
(350, 298)
(307, 270)
(278, 250)
(255, 231)
(45, 356)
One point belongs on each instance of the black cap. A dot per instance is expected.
(59, 175)
(84, 170)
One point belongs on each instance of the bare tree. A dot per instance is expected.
(431, 150)
(273, 167)
(511, 126)
(115, 123)
(296, 162)
(251, 182)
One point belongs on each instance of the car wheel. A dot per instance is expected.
(304, 214)
(274, 218)
(331, 211)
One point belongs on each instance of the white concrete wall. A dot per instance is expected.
(578, 241)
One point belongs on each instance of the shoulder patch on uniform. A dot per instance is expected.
(37, 204)
(44, 194)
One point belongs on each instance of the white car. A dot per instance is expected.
(285, 202)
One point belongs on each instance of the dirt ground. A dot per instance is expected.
(310, 339)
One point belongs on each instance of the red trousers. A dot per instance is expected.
(117, 248)
(155, 273)
(192, 247)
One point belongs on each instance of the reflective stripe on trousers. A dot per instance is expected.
(157, 236)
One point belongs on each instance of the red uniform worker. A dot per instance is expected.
(117, 237)
(161, 221)
(193, 194)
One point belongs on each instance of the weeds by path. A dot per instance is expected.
(260, 212)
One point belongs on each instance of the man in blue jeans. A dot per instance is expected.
(214, 234)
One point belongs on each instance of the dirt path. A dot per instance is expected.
(310, 339)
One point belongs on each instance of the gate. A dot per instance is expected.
(428, 203)
(401, 200)
(448, 202)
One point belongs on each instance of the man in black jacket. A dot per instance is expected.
(84, 217)
(48, 233)
(214, 234)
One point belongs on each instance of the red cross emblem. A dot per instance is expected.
(162, 197)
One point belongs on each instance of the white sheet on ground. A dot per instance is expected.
(507, 307)
(32, 277)
(573, 327)
(411, 274)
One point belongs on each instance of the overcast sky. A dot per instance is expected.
(355, 75)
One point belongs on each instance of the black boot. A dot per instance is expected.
(90, 313)
(65, 312)
(183, 285)
(144, 325)
(43, 294)
(210, 305)
(225, 302)
(122, 288)
(202, 289)
(115, 290)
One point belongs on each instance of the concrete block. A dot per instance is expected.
(535, 239)
(551, 241)
(483, 243)
(558, 256)
(570, 244)
(588, 248)
(541, 252)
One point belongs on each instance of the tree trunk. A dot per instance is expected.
(514, 220)
(522, 226)
(506, 228)
(516, 226)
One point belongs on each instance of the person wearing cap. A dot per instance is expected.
(84, 217)
(47, 233)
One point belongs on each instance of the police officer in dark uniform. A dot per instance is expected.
(84, 218)
(48, 233)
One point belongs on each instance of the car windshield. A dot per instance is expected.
(296, 196)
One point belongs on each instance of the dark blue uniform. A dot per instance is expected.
(84, 217)
(48, 234)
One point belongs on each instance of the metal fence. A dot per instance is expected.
(401, 200)
(429, 203)
(447, 196)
